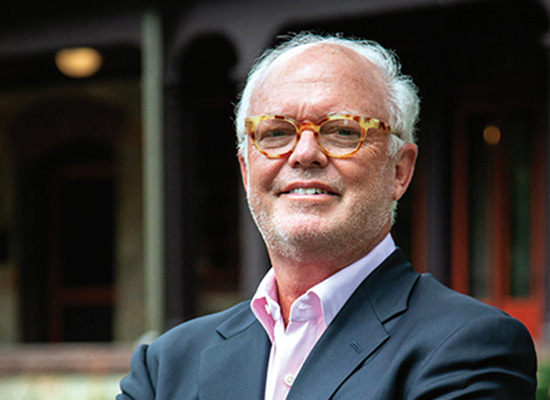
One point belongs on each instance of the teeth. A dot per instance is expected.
(309, 191)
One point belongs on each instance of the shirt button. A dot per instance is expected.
(289, 379)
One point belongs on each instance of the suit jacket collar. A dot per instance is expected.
(236, 367)
(390, 286)
(357, 331)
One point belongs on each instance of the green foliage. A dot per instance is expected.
(543, 377)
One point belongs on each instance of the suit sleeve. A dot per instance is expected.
(492, 357)
(138, 384)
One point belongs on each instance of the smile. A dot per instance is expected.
(309, 191)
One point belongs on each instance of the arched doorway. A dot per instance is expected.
(65, 208)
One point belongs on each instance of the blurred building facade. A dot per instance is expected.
(121, 207)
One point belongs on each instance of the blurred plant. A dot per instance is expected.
(543, 377)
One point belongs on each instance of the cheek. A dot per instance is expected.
(371, 179)
(262, 171)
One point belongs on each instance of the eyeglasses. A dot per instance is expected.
(339, 136)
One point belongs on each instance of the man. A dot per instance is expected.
(326, 148)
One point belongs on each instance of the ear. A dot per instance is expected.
(244, 170)
(404, 168)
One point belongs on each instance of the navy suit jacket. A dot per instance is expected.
(401, 335)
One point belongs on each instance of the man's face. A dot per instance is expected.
(310, 204)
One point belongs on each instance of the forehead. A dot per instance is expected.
(320, 79)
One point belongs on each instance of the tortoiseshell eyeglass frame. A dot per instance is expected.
(366, 123)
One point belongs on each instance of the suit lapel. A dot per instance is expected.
(235, 369)
(340, 350)
(357, 331)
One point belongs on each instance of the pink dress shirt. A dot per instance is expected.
(309, 317)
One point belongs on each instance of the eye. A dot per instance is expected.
(346, 132)
(274, 134)
(341, 131)
(273, 129)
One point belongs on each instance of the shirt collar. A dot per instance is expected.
(333, 292)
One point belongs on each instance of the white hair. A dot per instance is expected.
(403, 102)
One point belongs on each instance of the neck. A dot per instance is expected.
(299, 271)
(294, 280)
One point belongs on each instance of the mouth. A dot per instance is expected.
(308, 191)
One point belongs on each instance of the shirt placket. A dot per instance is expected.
(294, 344)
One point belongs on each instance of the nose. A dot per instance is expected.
(307, 153)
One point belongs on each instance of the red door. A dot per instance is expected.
(81, 240)
(498, 207)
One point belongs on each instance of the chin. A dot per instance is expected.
(306, 225)
(309, 234)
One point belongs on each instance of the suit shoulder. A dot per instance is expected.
(442, 298)
(158, 367)
(449, 310)
(201, 331)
